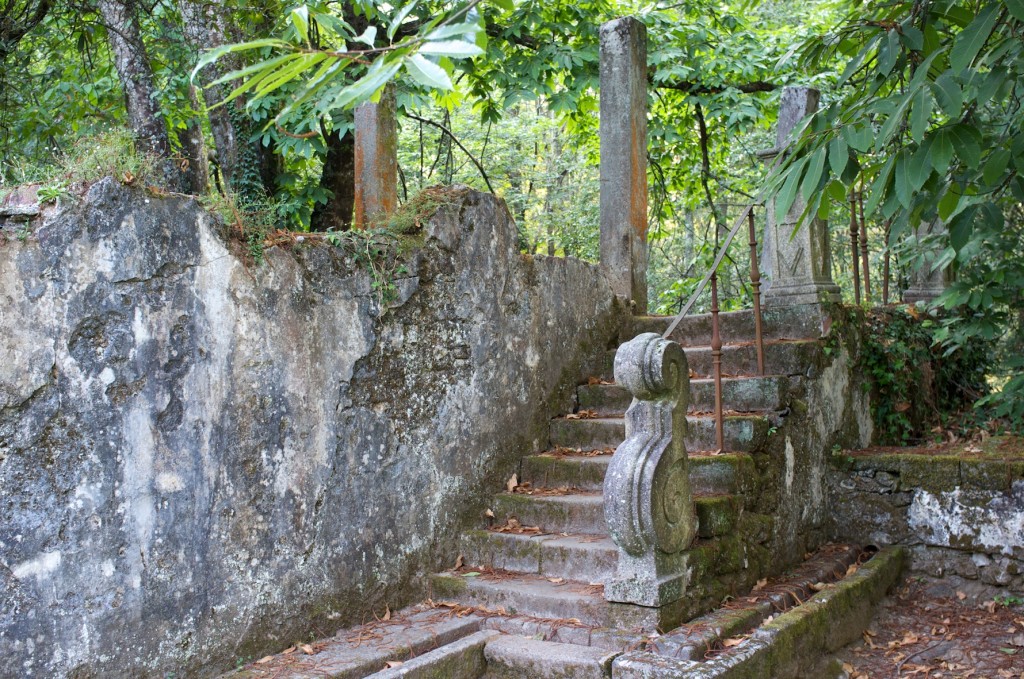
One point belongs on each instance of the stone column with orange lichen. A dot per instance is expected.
(624, 159)
(376, 161)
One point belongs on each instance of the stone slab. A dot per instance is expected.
(515, 657)
(462, 659)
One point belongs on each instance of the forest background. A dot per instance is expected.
(248, 104)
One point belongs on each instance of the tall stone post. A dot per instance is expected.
(928, 281)
(648, 502)
(798, 265)
(624, 159)
(376, 160)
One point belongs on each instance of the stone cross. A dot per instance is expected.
(376, 160)
(648, 502)
(797, 265)
(926, 280)
(623, 129)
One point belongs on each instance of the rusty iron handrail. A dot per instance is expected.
(716, 336)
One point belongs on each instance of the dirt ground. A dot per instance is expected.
(941, 628)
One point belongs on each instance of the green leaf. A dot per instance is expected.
(813, 176)
(888, 52)
(300, 20)
(967, 143)
(376, 76)
(1016, 8)
(904, 189)
(941, 150)
(787, 194)
(961, 226)
(838, 156)
(949, 204)
(948, 94)
(451, 48)
(860, 137)
(879, 186)
(399, 18)
(368, 36)
(919, 169)
(912, 37)
(970, 40)
(428, 73)
(996, 166)
(920, 114)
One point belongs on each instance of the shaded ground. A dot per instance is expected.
(941, 628)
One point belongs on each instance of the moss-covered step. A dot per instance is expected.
(580, 557)
(742, 433)
(462, 659)
(584, 513)
(790, 645)
(725, 473)
(744, 394)
(780, 358)
(784, 322)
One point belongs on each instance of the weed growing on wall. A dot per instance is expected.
(917, 386)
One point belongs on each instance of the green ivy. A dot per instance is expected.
(915, 385)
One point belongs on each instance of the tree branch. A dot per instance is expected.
(451, 136)
(690, 87)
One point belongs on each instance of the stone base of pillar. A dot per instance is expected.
(922, 294)
(809, 293)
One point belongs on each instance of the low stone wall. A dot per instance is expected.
(202, 461)
(960, 515)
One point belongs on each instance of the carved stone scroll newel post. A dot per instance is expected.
(648, 503)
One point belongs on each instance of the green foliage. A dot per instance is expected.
(916, 385)
(926, 116)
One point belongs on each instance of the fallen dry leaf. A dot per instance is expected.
(391, 664)
(307, 649)
(851, 570)
(735, 641)
(458, 563)
(582, 415)
(387, 613)
(760, 584)
(264, 660)
(511, 484)
(818, 586)
(961, 596)
(489, 514)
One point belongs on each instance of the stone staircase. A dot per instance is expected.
(531, 574)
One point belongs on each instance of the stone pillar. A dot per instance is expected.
(648, 502)
(376, 160)
(624, 159)
(927, 281)
(798, 266)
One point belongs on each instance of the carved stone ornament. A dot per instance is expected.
(648, 503)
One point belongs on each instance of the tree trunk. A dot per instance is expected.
(193, 152)
(338, 177)
(136, 76)
(203, 27)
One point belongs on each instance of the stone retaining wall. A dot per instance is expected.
(202, 461)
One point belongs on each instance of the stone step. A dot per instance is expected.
(580, 557)
(709, 474)
(743, 394)
(517, 657)
(781, 357)
(581, 514)
(742, 433)
(407, 635)
(736, 326)
(535, 596)
(791, 645)
(462, 659)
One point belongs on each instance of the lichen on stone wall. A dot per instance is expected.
(203, 461)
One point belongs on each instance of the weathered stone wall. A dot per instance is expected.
(959, 515)
(202, 461)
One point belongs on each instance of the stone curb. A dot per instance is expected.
(790, 645)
